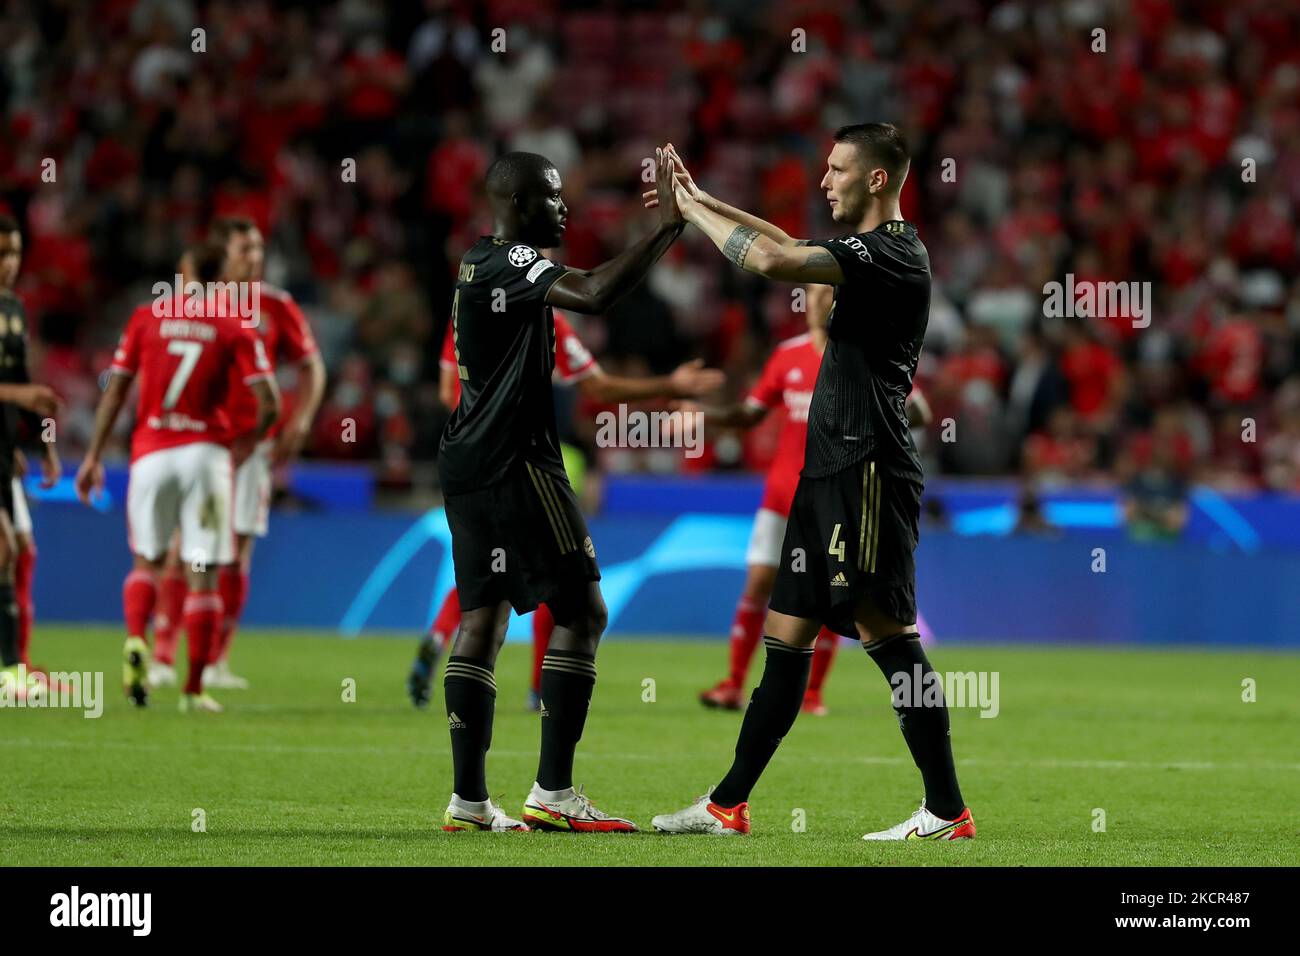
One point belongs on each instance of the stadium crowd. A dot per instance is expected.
(1171, 158)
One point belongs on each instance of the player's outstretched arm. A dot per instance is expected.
(743, 415)
(90, 476)
(594, 291)
(688, 380)
(39, 399)
(762, 226)
(755, 252)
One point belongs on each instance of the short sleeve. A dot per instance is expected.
(573, 361)
(296, 339)
(126, 359)
(525, 274)
(854, 255)
(769, 387)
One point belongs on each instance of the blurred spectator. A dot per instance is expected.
(1157, 465)
(1282, 451)
(1062, 452)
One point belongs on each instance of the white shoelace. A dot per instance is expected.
(585, 803)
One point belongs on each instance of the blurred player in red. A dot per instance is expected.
(181, 465)
(574, 365)
(787, 380)
(289, 344)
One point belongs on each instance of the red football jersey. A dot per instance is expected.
(287, 339)
(185, 368)
(573, 362)
(787, 380)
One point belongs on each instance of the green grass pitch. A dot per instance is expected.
(1185, 772)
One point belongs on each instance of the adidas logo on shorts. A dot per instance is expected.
(839, 581)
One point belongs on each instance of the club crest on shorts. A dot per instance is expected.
(521, 256)
(589, 547)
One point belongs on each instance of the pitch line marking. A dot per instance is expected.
(1048, 763)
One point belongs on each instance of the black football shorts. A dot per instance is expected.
(522, 539)
(850, 535)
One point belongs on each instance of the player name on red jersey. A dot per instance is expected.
(187, 329)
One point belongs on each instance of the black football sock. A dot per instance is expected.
(567, 681)
(772, 709)
(8, 626)
(925, 728)
(471, 693)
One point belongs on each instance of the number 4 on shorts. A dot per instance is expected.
(837, 546)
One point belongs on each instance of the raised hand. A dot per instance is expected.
(670, 213)
(683, 176)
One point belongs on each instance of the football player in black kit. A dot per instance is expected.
(518, 537)
(847, 559)
(19, 398)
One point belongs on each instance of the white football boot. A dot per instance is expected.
(705, 816)
(571, 811)
(199, 704)
(924, 825)
(220, 676)
(478, 815)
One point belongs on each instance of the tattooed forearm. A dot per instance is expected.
(816, 260)
(738, 243)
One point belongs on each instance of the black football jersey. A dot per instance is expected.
(13, 371)
(504, 335)
(877, 326)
